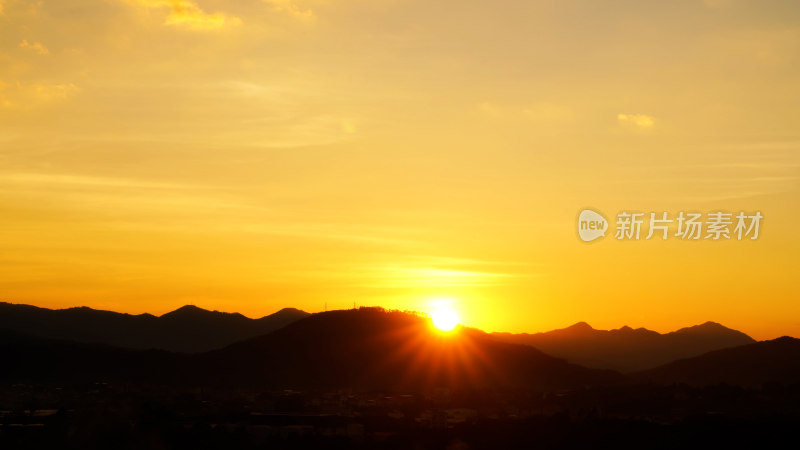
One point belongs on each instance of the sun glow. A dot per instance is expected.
(444, 318)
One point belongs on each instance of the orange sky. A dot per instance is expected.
(252, 155)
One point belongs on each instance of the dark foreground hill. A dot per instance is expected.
(371, 348)
(753, 365)
(363, 349)
(627, 349)
(187, 329)
(33, 360)
(284, 390)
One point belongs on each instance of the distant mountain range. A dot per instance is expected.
(365, 349)
(370, 349)
(627, 349)
(188, 329)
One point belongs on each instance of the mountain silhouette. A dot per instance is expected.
(187, 329)
(627, 349)
(374, 349)
(364, 349)
(753, 365)
(29, 359)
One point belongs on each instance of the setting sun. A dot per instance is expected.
(444, 318)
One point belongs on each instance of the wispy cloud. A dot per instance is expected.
(490, 110)
(149, 201)
(47, 179)
(637, 120)
(34, 46)
(438, 271)
(28, 94)
(186, 14)
(407, 276)
(291, 8)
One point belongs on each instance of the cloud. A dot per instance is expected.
(491, 110)
(638, 120)
(27, 94)
(186, 14)
(61, 180)
(52, 91)
(35, 46)
(4, 101)
(404, 275)
(289, 7)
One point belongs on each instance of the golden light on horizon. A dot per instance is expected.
(444, 315)
(444, 319)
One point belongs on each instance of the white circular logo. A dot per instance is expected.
(591, 225)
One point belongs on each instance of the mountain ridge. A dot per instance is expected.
(373, 349)
(626, 349)
(188, 329)
(365, 349)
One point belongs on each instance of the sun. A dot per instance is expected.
(444, 318)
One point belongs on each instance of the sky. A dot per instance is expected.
(259, 154)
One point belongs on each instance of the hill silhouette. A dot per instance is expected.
(753, 365)
(363, 349)
(372, 348)
(187, 329)
(627, 349)
(28, 359)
